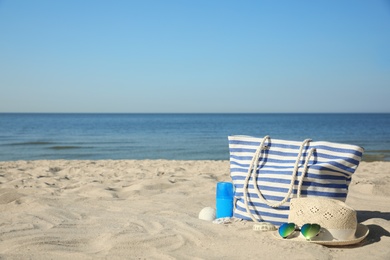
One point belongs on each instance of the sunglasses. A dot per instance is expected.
(308, 230)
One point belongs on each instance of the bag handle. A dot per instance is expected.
(311, 151)
(246, 181)
(252, 169)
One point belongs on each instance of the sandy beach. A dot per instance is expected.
(148, 209)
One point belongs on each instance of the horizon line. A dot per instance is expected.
(195, 113)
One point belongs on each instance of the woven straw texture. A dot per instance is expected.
(328, 213)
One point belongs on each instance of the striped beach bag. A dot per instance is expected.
(267, 173)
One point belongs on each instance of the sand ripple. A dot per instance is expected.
(148, 209)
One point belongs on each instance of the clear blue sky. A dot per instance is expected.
(194, 56)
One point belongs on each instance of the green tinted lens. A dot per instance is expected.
(310, 230)
(286, 229)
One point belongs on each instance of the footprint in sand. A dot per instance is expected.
(9, 195)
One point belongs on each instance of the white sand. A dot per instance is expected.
(149, 209)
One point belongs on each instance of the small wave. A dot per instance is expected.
(32, 143)
(65, 147)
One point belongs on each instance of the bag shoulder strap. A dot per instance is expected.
(252, 170)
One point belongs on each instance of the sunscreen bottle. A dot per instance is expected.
(224, 199)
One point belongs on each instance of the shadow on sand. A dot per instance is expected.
(376, 231)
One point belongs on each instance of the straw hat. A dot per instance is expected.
(337, 220)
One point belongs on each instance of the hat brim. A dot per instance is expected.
(360, 234)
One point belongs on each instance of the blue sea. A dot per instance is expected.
(32, 136)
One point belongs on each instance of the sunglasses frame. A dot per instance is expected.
(303, 227)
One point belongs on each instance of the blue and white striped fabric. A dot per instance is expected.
(328, 174)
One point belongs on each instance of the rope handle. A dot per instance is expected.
(311, 151)
(246, 181)
(253, 170)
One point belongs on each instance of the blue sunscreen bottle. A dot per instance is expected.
(224, 199)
